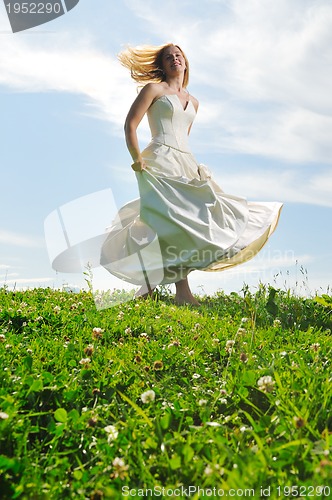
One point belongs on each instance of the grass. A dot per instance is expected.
(231, 397)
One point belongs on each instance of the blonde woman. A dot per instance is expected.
(183, 220)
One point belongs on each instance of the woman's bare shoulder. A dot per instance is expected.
(153, 89)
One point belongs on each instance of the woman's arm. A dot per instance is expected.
(138, 109)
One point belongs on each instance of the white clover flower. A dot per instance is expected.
(3, 415)
(97, 333)
(229, 346)
(266, 383)
(174, 343)
(120, 468)
(85, 361)
(245, 429)
(112, 432)
(166, 404)
(276, 323)
(57, 309)
(208, 470)
(241, 331)
(2, 337)
(202, 402)
(118, 462)
(97, 330)
(93, 442)
(196, 375)
(148, 396)
(128, 330)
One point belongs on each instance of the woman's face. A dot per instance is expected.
(173, 60)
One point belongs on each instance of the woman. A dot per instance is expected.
(183, 217)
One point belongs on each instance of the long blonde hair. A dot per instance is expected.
(145, 63)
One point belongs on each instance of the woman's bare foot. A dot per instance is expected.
(181, 300)
(183, 293)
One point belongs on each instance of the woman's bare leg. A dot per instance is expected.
(183, 293)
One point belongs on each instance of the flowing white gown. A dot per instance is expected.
(183, 220)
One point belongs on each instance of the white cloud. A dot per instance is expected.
(26, 281)
(266, 70)
(8, 275)
(121, 175)
(29, 67)
(285, 185)
(275, 261)
(279, 269)
(20, 240)
(262, 71)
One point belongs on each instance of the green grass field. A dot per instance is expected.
(148, 399)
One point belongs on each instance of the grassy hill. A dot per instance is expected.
(230, 398)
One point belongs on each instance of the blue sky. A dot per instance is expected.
(262, 71)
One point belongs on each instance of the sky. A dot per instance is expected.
(262, 72)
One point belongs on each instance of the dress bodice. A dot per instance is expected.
(169, 122)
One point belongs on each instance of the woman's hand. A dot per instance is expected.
(138, 166)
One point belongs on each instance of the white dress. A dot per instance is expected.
(183, 220)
